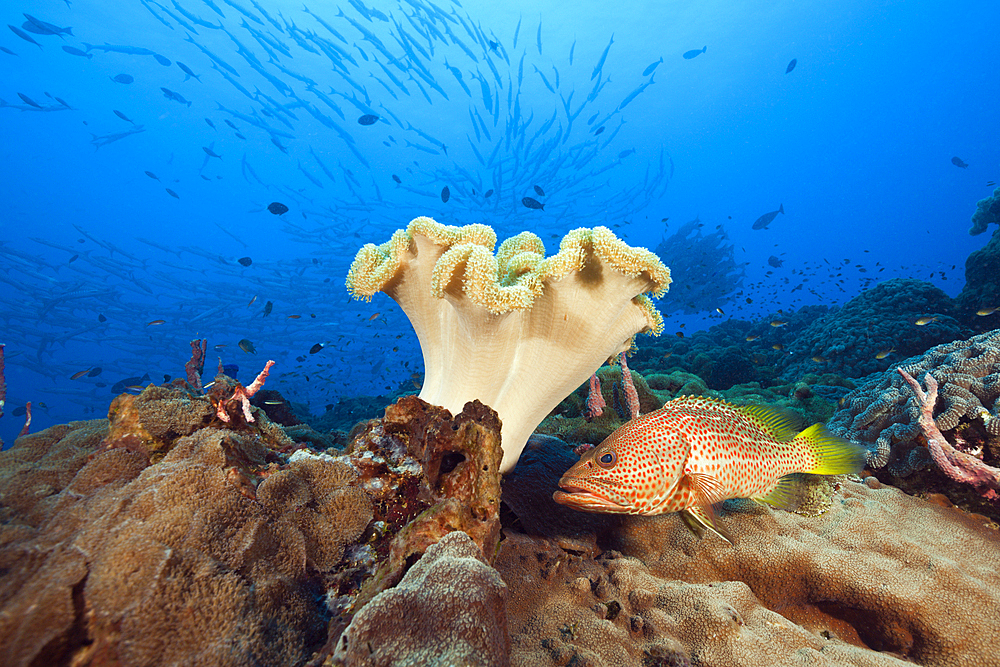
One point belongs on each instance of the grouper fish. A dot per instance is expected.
(695, 452)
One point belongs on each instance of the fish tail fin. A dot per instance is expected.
(69, 31)
(828, 454)
(781, 208)
(189, 103)
(89, 47)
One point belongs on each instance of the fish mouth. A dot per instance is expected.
(581, 499)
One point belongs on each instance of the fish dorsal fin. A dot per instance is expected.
(708, 491)
(782, 425)
(786, 494)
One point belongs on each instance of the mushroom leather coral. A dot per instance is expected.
(516, 330)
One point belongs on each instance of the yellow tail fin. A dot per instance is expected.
(831, 455)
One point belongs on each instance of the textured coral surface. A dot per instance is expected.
(449, 609)
(883, 415)
(108, 560)
(881, 579)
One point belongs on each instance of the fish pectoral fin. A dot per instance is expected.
(702, 518)
(709, 489)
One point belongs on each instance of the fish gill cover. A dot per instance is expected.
(147, 145)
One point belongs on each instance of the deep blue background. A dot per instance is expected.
(856, 143)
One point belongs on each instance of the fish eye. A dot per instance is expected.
(607, 459)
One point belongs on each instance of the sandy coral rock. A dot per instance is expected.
(882, 578)
(174, 562)
(449, 609)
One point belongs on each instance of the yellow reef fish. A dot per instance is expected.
(983, 312)
(778, 323)
(819, 359)
(752, 338)
(882, 354)
(925, 320)
(695, 452)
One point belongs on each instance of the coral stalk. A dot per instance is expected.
(243, 394)
(3, 383)
(27, 419)
(595, 399)
(631, 395)
(957, 465)
(196, 366)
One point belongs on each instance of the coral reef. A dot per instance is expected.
(883, 414)
(957, 465)
(987, 213)
(850, 340)
(495, 327)
(449, 609)
(981, 292)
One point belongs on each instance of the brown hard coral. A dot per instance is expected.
(429, 474)
(449, 609)
(173, 563)
(881, 579)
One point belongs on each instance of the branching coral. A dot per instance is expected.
(960, 466)
(516, 330)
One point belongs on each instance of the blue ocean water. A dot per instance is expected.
(855, 144)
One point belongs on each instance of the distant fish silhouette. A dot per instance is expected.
(26, 37)
(763, 221)
(532, 203)
(651, 67)
(445, 194)
(694, 53)
(123, 78)
(368, 119)
(957, 161)
(791, 65)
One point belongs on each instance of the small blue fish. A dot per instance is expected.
(28, 100)
(763, 221)
(187, 71)
(652, 66)
(791, 65)
(177, 97)
(694, 53)
(123, 78)
(23, 35)
(123, 116)
(72, 50)
(210, 153)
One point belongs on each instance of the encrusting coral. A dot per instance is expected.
(516, 330)
(449, 609)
